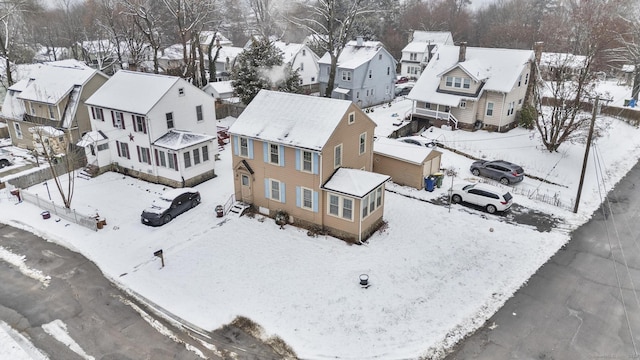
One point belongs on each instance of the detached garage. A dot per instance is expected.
(407, 164)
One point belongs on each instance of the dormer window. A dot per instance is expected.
(52, 114)
(413, 57)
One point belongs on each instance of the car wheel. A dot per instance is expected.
(475, 172)
(456, 198)
(491, 209)
(504, 181)
(3, 163)
(194, 203)
(166, 219)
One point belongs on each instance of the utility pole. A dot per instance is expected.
(586, 151)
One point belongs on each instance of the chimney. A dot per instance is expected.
(462, 56)
(359, 41)
(537, 50)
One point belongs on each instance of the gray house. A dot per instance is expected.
(365, 74)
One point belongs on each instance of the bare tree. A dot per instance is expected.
(331, 23)
(147, 17)
(629, 50)
(11, 28)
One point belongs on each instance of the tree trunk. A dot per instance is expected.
(332, 75)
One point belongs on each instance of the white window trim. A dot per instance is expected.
(277, 154)
(341, 199)
(362, 143)
(302, 190)
(352, 118)
(302, 152)
(271, 183)
(240, 147)
(337, 162)
(486, 110)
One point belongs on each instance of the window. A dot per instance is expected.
(370, 71)
(144, 156)
(466, 83)
(463, 104)
(173, 161)
(379, 197)
(33, 109)
(138, 124)
(519, 101)
(363, 143)
(388, 70)
(300, 82)
(413, 56)
(307, 161)
(274, 154)
(413, 70)
(510, 108)
(199, 113)
(123, 150)
(118, 119)
(161, 159)
(205, 153)
(187, 159)
(352, 118)
(274, 189)
(304, 52)
(307, 198)
(526, 78)
(346, 75)
(245, 180)
(340, 206)
(18, 130)
(457, 82)
(337, 156)
(196, 156)
(102, 147)
(301, 66)
(169, 117)
(371, 202)
(52, 114)
(519, 80)
(97, 113)
(449, 81)
(313, 79)
(379, 56)
(181, 91)
(489, 109)
(244, 147)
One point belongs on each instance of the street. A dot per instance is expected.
(583, 303)
(102, 320)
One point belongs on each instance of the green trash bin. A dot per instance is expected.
(439, 177)
(626, 102)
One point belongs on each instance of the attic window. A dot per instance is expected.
(379, 56)
(304, 52)
(181, 91)
(352, 118)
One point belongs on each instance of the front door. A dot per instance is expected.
(246, 188)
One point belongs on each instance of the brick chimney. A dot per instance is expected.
(462, 56)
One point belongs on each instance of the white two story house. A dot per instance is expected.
(158, 128)
(420, 49)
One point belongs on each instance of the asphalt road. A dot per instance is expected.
(98, 315)
(584, 303)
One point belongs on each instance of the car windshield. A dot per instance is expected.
(467, 187)
(507, 196)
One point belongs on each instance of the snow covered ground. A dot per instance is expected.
(436, 273)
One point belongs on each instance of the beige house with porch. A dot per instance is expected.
(473, 88)
(310, 157)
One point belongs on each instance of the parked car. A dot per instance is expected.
(6, 158)
(419, 140)
(401, 79)
(169, 205)
(487, 196)
(503, 171)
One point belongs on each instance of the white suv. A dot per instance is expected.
(489, 197)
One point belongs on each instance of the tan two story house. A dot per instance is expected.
(473, 88)
(312, 158)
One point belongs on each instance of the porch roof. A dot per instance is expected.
(180, 139)
(354, 182)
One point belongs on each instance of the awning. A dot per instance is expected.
(342, 91)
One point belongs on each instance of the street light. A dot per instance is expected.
(48, 192)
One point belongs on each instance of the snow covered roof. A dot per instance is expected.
(134, 92)
(174, 52)
(416, 47)
(291, 119)
(562, 60)
(628, 68)
(289, 50)
(220, 87)
(205, 38)
(433, 37)
(12, 106)
(180, 139)
(91, 137)
(354, 182)
(45, 53)
(355, 55)
(53, 81)
(230, 52)
(400, 150)
(499, 68)
(45, 131)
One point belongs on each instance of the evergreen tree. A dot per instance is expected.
(261, 67)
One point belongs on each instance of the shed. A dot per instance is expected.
(407, 164)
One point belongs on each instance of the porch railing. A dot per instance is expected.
(438, 115)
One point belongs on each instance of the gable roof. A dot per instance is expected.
(290, 50)
(499, 68)
(220, 87)
(354, 182)
(180, 139)
(134, 92)
(355, 55)
(50, 83)
(291, 119)
(433, 37)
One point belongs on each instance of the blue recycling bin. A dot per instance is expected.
(429, 183)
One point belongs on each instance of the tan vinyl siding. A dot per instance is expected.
(466, 115)
(459, 73)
